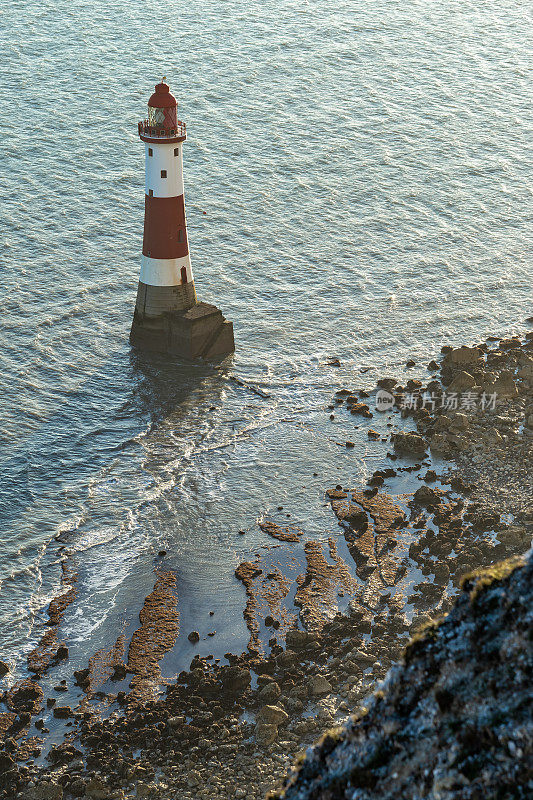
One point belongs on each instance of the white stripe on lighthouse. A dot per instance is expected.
(165, 271)
(164, 160)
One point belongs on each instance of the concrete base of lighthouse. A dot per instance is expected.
(197, 332)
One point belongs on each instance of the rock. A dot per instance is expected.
(441, 572)
(439, 445)
(77, 787)
(463, 685)
(63, 753)
(426, 497)
(433, 365)
(319, 685)
(146, 789)
(364, 572)
(4, 668)
(236, 679)
(372, 434)
(462, 382)
(287, 659)
(410, 363)
(419, 623)
(96, 789)
(485, 379)
(296, 639)
(294, 705)
(62, 652)
(459, 485)
(464, 356)
(24, 718)
(82, 677)
(390, 544)
(526, 371)
(430, 476)
(491, 436)
(265, 733)
(62, 712)
(6, 762)
(176, 722)
(269, 693)
(44, 791)
(410, 443)
(26, 697)
(504, 385)
(442, 422)
(119, 672)
(362, 409)
(387, 383)
(359, 555)
(459, 422)
(353, 515)
(272, 715)
(194, 778)
(193, 637)
(336, 494)
(515, 538)
(509, 344)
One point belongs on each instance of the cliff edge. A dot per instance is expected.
(453, 720)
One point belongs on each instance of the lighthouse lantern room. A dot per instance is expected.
(168, 316)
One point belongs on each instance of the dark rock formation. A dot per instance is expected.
(454, 719)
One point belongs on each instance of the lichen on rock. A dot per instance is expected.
(453, 720)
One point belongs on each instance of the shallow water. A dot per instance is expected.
(356, 186)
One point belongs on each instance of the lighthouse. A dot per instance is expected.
(168, 316)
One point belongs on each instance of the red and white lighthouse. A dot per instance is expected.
(167, 314)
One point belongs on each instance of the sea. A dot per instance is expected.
(358, 193)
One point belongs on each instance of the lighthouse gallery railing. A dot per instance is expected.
(164, 133)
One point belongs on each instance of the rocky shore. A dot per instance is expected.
(463, 442)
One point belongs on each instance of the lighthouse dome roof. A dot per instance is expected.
(162, 97)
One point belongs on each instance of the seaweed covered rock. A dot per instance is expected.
(453, 720)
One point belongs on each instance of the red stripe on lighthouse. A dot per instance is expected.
(165, 231)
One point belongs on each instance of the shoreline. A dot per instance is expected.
(231, 730)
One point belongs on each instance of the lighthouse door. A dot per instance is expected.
(184, 274)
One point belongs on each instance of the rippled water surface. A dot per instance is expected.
(356, 186)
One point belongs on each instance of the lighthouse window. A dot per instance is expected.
(150, 151)
(163, 173)
(180, 235)
(176, 151)
(150, 192)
